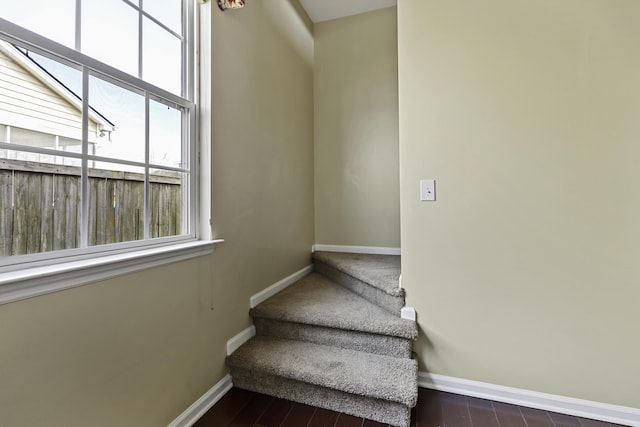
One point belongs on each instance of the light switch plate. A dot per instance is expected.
(427, 190)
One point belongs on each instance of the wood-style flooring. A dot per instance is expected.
(241, 408)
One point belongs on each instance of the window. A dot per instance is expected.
(97, 128)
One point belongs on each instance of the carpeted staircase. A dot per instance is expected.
(335, 340)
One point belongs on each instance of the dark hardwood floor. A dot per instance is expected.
(241, 408)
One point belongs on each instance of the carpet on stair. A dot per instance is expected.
(379, 271)
(391, 303)
(335, 340)
(383, 411)
(316, 300)
(357, 374)
(317, 310)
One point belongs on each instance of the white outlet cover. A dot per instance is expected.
(427, 190)
(408, 313)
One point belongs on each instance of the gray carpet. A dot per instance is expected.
(335, 340)
(353, 340)
(379, 271)
(380, 377)
(318, 301)
(383, 411)
(391, 303)
(320, 311)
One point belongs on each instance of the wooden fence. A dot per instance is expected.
(40, 207)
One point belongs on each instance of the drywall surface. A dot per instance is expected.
(138, 350)
(356, 130)
(524, 271)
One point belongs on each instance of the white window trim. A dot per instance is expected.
(204, 108)
(31, 282)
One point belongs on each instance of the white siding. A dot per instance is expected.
(27, 102)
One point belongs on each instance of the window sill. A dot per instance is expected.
(28, 283)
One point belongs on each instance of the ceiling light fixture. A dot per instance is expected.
(230, 4)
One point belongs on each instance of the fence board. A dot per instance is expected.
(93, 206)
(68, 203)
(116, 203)
(19, 215)
(110, 211)
(46, 211)
(46, 218)
(99, 186)
(6, 213)
(33, 210)
(132, 209)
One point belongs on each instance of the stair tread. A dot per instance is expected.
(379, 271)
(316, 300)
(382, 377)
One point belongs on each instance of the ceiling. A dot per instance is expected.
(324, 10)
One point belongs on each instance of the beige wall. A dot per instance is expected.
(138, 350)
(356, 130)
(525, 270)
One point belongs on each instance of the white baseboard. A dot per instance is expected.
(279, 286)
(549, 402)
(194, 412)
(234, 343)
(202, 405)
(374, 250)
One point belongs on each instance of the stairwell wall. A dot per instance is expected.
(356, 130)
(139, 349)
(524, 271)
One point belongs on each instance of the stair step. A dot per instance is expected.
(317, 310)
(380, 271)
(367, 385)
(374, 277)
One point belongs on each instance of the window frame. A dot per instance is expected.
(36, 274)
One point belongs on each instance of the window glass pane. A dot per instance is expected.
(67, 76)
(52, 19)
(126, 157)
(168, 199)
(32, 138)
(25, 158)
(39, 204)
(110, 33)
(165, 135)
(125, 109)
(116, 204)
(169, 12)
(161, 58)
(38, 105)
